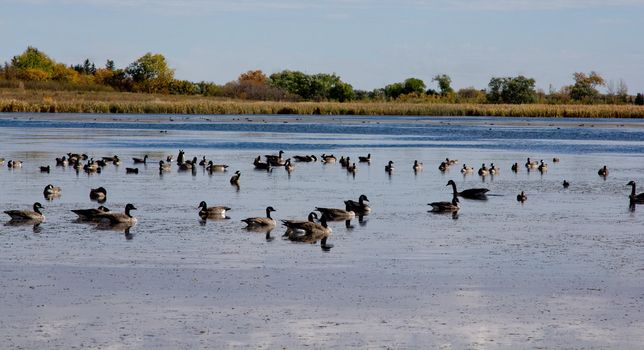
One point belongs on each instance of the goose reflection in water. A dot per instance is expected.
(36, 224)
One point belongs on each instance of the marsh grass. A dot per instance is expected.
(48, 101)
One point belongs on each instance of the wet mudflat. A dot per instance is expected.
(565, 269)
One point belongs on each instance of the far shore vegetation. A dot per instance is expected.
(34, 82)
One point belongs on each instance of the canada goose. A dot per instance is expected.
(566, 184)
(261, 165)
(543, 167)
(493, 169)
(108, 158)
(14, 164)
(275, 160)
(27, 215)
(288, 166)
(101, 163)
(330, 158)
(443, 166)
(45, 169)
(140, 161)
(515, 167)
(531, 164)
(483, 170)
(131, 170)
(347, 162)
(90, 166)
(203, 161)
(261, 222)
(51, 190)
(169, 159)
(343, 161)
(98, 194)
(466, 169)
(185, 166)
(334, 214)
(1, 161)
(192, 162)
(89, 214)
(366, 159)
(211, 212)
(307, 159)
(180, 157)
(163, 166)
(389, 167)
(352, 168)
(445, 207)
(555, 160)
(359, 207)
(118, 218)
(522, 197)
(603, 171)
(451, 161)
(116, 161)
(471, 193)
(216, 167)
(234, 180)
(291, 225)
(313, 232)
(635, 198)
(62, 161)
(417, 166)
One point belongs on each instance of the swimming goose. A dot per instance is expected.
(555, 160)
(101, 163)
(89, 214)
(288, 166)
(352, 168)
(180, 156)
(51, 190)
(184, 166)
(493, 169)
(603, 171)
(312, 232)
(443, 166)
(116, 161)
(45, 169)
(531, 164)
(566, 184)
(1, 161)
(483, 170)
(307, 159)
(216, 167)
(389, 167)
(118, 218)
(292, 225)
(140, 161)
(471, 193)
(515, 167)
(451, 161)
(211, 212)
(261, 165)
(330, 158)
(467, 169)
(98, 194)
(169, 159)
(635, 198)
(417, 166)
(343, 161)
(543, 167)
(131, 170)
(445, 207)
(90, 166)
(359, 207)
(261, 222)
(163, 166)
(234, 180)
(335, 214)
(27, 215)
(522, 197)
(108, 158)
(14, 164)
(275, 160)
(62, 161)
(203, 161)
(366, 159)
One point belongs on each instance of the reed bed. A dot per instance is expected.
(21, 100)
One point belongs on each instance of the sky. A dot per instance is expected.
(369, 44)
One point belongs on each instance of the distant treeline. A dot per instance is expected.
(150, 73)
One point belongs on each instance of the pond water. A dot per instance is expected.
(565, 269)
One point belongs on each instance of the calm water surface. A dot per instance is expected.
(564, 269)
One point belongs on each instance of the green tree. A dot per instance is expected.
(150, 73)
(109, 65)
(444, 84)
(414, 85)
(394, 90)
(639, 99)
(514, 90)
(32, 58)
(585, 87)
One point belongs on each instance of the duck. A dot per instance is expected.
(417, 166)
(531, 164)
(98, 194)
(275, 160)
(522, 197)
(445, 207)
(51, 190)
(493, 169)
(359, 207)
(466, 169)
(45, 169)
(312, 232)
(335, 214)
(89, 214)
(328, 158)
(635, 198)
(131, 170)
(140, 160)
(515, 167)
(443, 166)
(366, 159)
(234, 180)
(307, 159)
(483, 170)
(27, 215)
(261, 165)
(292, 225)
(471, 193)
(211, 212)
(261, 222)
(389, 167)
(603, 171)
(216, 167)
(543, 167)
(566, 184)
(118, 218)
(288, 166)
(14, 164)
(163, 166)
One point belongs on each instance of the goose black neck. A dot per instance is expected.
(37, 209)
(268, 213)
(455, 192)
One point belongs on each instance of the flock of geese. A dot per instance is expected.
(314, 228)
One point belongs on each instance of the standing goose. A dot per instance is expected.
(118, 218)
(313, 232)
(389, 167)
(417, 166)
(483, 170)
(27, 215)
(261, 222)
(98, 194)
(234, 180)
(359, 207)
(206, 212)
(335, 214)
(472, 193)
(366, 159)
(445, 207)
(522, 197)
(603, 171)
(89, 214)
(140, 161)
(493, 169)
(635, 198)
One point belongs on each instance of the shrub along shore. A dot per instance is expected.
(38, 101)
